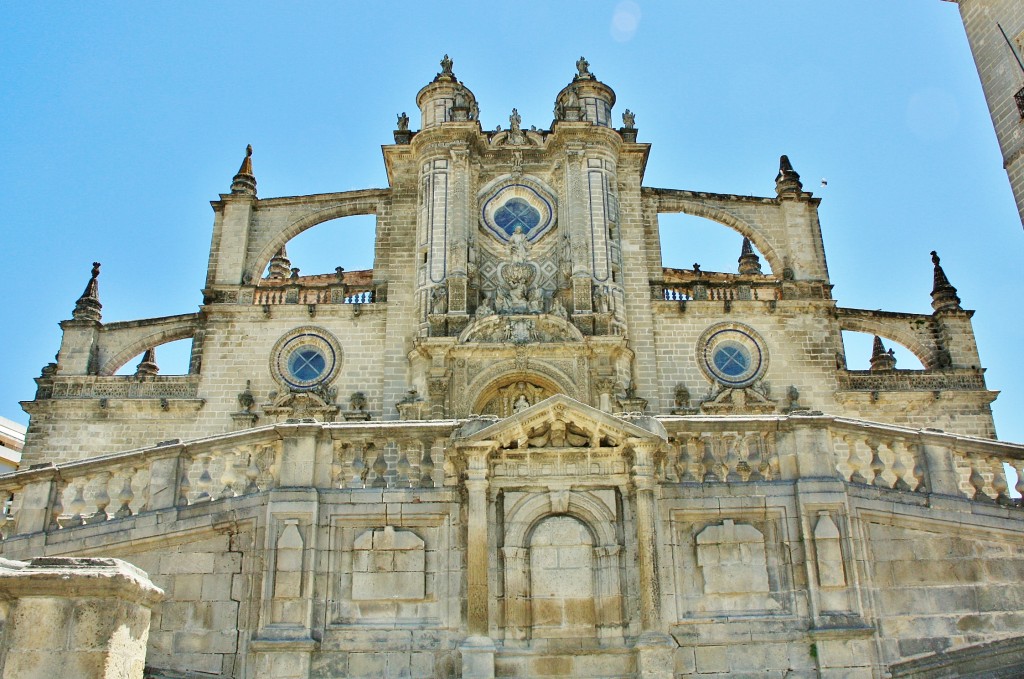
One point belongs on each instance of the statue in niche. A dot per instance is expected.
(403, 122)
(535, 300)
(558, 309)
(600, 299)
(518, 246)
(520, 404)
(485, 308)
(439, 300)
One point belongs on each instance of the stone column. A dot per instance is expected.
(654, 647)
(942, 477)
(478, 648)
(86, 618)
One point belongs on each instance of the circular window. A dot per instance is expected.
(733, 355)
(306, 358)
(523, 204)
(516, 213)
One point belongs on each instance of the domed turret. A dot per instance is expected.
(585, 99)
(445, 99)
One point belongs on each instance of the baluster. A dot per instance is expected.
(754, 457)
(359, 467)
(919, 473)
(338, 465)
(999, 480)
(976, 479)
(101, 499)
(184, 484)
(876, 465)
(58, 507)
(252, 475)
(229, 477)
(734, 464)
(683, 461)
(853, 461)
(426, 467)
(708, 463)
(78, 504)
(404, 467)
(380, 468)
(1019, 486)
(771, 464)
(898, 466)
(204, 484)
(126, 495)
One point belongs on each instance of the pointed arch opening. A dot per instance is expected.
(857, 347)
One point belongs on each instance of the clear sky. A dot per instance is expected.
(121, 121)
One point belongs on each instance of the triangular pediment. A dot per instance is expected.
(563, 422)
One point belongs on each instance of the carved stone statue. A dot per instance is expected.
(403, 121)
(446, 66)
(558, 309)
(486, 307)
(600, 300)
(515, 120)
(583, 68)
(439, 300)
(520, 404)
(518, 246)
(628, 119)
(682, 396)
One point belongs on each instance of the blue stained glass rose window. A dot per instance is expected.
(306, 364)
(732, 359)
(516, 213)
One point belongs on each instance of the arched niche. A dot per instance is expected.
(501, 381)
(552, 537)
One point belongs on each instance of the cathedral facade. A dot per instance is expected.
(520, 446)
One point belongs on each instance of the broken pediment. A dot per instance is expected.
(563, 422)
(302, 405)
(729, 401)
(520, 329)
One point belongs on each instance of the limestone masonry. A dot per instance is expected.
(518, 446)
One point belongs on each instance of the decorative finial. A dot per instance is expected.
(280, 265)
(750, 263)
(583, 70)
(88, 306)
(696, 269)
(944, 297)
(147, 366)
(787, 182)
(881, 360)
(244, 182)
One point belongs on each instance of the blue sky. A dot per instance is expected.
(121, 121)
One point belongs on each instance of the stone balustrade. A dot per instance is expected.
(398, 456)
(721, 291)
(308, 294)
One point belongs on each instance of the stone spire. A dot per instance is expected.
(750, 263)
(147, 366)
(881, 360)
(88, 306)
(280, 265)
(944, 296)
(244, 182)
(787, 182)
